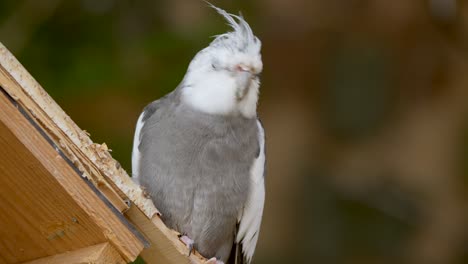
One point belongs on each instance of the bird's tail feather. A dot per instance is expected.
(236, 256)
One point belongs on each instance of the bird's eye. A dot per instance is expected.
(214, 66)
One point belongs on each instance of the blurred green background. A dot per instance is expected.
(365, 106)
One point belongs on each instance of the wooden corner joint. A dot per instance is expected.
(98, 254)
(96, 164)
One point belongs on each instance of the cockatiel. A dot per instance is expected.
(199, 151)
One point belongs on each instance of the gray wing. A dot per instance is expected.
(251, 217)
(136, 155)
(154, 166)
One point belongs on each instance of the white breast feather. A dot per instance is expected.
(136, 156)
(251, 217)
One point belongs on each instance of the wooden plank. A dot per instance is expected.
(37, 216)
(93, 160)
(165, 245)
(14, 89)
(99, 254)
(36, 180)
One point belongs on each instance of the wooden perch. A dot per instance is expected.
(44, 153)
(99, 254)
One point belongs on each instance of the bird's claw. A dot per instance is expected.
(214, 261)
(188, 242)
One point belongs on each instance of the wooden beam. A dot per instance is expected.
(99, 254)
(47, 207)
(10, 84)
(165, 245)
(93, 160)
(37, 216)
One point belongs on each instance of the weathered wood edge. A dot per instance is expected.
(165, 246)
(114, 227)
(93, 160)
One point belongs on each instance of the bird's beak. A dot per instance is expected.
(243, 80)
(245, 76)
(246, 69)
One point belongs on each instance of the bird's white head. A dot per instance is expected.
(223, 78)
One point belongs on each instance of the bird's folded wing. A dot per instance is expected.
(136, 154)
(251, 217)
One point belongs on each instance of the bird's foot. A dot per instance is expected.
(188, 242)
(214, 261)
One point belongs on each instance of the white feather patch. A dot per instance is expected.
(251, 217)
(136, 156)
(213, 78)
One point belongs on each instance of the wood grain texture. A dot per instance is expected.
(93, 160)
(37, 216)
(99, 254)
(87, 168)
(47, 208)
(165, 245)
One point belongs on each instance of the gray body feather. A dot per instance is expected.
(196, 168)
